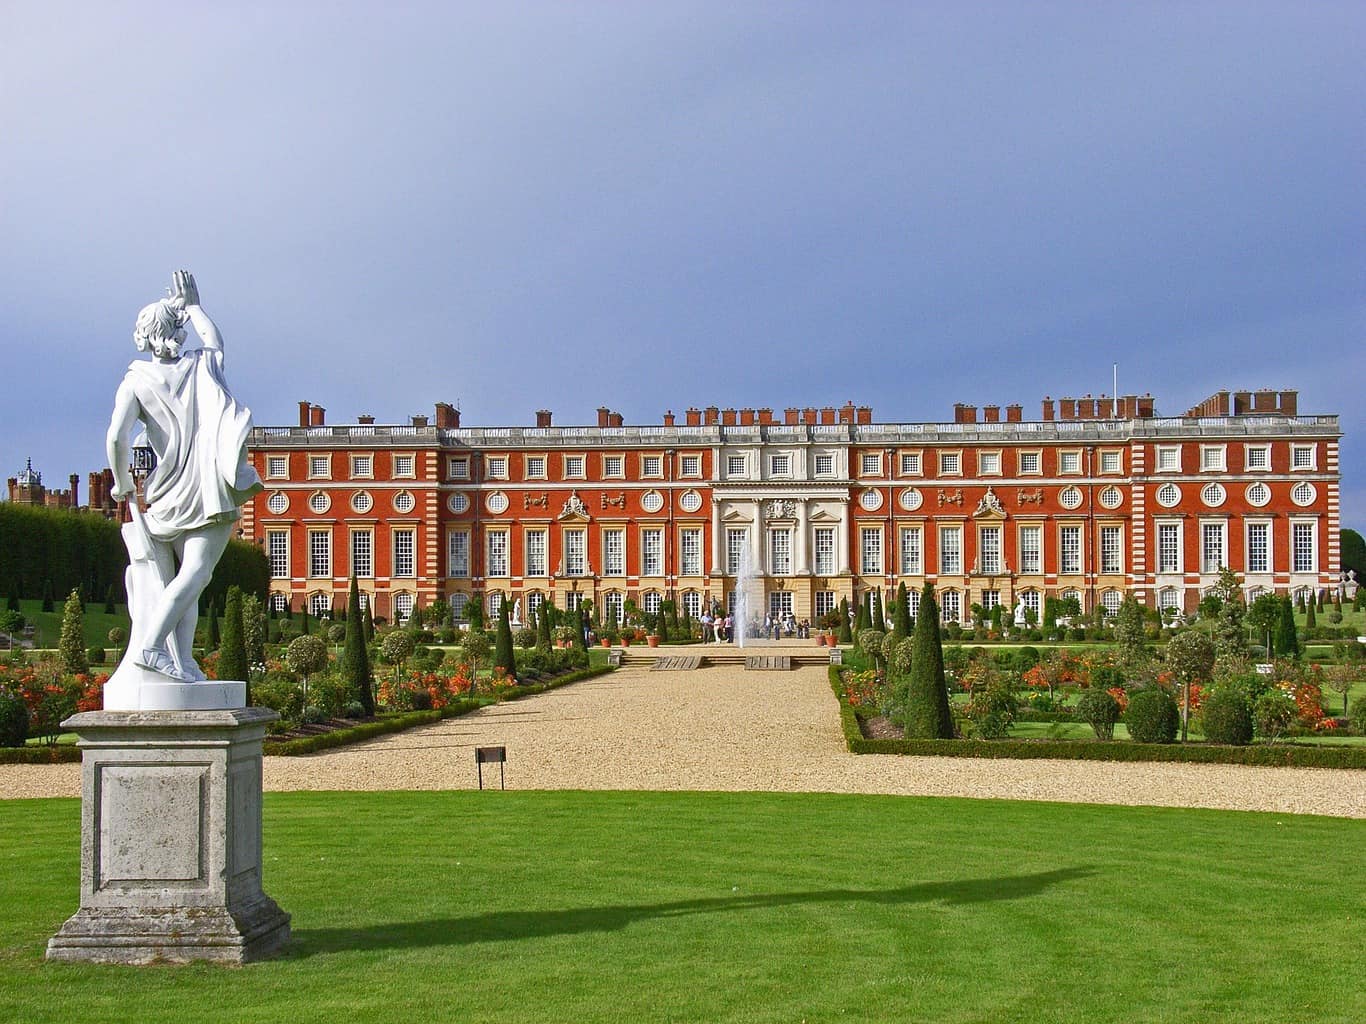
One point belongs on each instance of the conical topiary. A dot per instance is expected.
(902, 627)
(503, 654)
(844, 634)
(232, 648)
(927, 699)
(355, 661)
(72, 644)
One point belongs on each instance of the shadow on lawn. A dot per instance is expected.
(525, 924)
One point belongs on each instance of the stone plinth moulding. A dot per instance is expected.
(171, 840)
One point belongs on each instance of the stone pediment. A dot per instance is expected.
(574, 509)
(989, 507)
(822, 516)
(736, 516)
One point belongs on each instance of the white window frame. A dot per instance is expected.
(825, 562)
(497, 554)
(536, 552)
(652, 551)
(575, 466)
(362, 467)
(1073, 454)
(1310, 461)
(870, 464)
(405, 466)
(911, 552)
(1297, 567)
(652, 467)
(1167, 452)
(458, 467)
(277, 467)
(278, 559)
(737, 548)
(780, 464)
(690, 551)
(614, 466)
(614, 551)
(320, 557)
(780, 552)
(820, 470)
(1211, 564)
(575, 552)
(950, 462)
(950, 550)
(316, 473)
(951, 605)
(1213, 458)
(400, 570)
(1117, 454)
(1264, 450)
(989, 463)
(1162, 527)
(911, 463)
(1111, 553)
(458, 554)
(870, 546)
(1030, 454)
(1070, 554)
(362, 546)
(1264, 526)
(690, 465)
(495, 467)
(990, 551)
(1031, 556)
(537, 467)
(737, 466)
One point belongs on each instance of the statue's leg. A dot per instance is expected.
(199, 552)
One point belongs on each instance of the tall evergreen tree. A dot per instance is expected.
(1129, 638)
(369, 622)
(902, 626)
(12, 604)
(355, 660)
(1321, 605)
(304, 627)
(232, 650)
(581, 634)
(862, 621)
(215, 637)
(110, 601)
(503, 654)
(49, 597)
(844, 634)
(928, 715)
(543, 636)
(1287, 642)
(72, 644)
(1311, 619)
(878, 619)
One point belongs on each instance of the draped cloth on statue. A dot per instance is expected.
(199, 432)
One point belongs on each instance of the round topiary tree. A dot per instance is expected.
(1098, 709)
(1152, 716)
(870, 643)
(1357, 718)
(1273, 714)
(305, 656)
(398, 647)
(1227, 716)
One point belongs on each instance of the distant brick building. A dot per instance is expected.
(27, 489)
(1098, 498)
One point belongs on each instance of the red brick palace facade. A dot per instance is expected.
(1098, 498)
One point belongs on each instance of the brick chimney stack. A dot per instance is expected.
(304, 418)
(693, 417)
(543, 418)
(1014, 413)
(447, 416)
(668, 419)
(365, 419)
(317, 416)
(604, 416)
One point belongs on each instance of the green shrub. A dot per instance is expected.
(419, 700)
(992, 711)
(1026, 658)
(1274, 713)
(354, 709)
(1357, 717)
(95, 655)
(313, 715)
(1100, 711)
(526, 638)
(1152, 716)
(1226, 716)
(13, 721)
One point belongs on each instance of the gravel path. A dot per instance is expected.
(728, 729)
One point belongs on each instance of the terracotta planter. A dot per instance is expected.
(605, 642)
(626, 641)
(820, 639)
(653, 641)
(830, 640)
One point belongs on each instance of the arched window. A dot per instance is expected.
(692, 604)
(403, 606)
(951, 606)
(280, 602)
(319, 604)
(651, 602)
(1168, 597)
(612, 604)
(458, 601)
(1110, 601)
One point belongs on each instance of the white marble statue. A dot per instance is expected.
(193, 495)
(1020, 618)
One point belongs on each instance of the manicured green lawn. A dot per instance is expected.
(48, 625)
(638, 907)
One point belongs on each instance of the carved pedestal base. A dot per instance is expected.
(171, 840)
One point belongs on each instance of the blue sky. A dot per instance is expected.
(655, 205)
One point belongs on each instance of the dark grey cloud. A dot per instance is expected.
(659, 205)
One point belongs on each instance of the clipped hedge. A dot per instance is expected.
(399, 723)
(1277, 755)
(61, 753)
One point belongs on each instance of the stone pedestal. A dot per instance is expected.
(171, 840)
